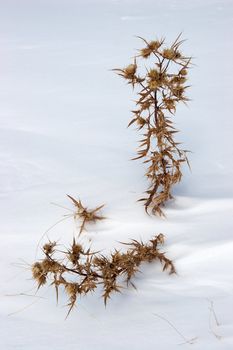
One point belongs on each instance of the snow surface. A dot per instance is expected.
(63, 117)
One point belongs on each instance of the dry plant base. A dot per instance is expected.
(159, 89)
(79, 271)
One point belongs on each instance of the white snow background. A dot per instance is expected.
(63, 118)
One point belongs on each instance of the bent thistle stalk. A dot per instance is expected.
(160, 88)
(79, 271)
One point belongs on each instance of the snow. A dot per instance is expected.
(63, 117)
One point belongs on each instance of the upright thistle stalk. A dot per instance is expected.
(159, 89)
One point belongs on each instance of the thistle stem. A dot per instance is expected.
(156, 107)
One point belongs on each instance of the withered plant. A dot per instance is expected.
(84, 214)
(160, 88)
(79, 271)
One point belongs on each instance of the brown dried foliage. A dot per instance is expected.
(79, 271)
(160, 88)
(84, 214)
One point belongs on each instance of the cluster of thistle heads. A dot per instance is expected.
(160, 88)
(78, 270)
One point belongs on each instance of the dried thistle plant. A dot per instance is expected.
(79, 270)
(84, 214)
(160, 88)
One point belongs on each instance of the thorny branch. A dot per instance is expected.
(79, 270)
(159, 90)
